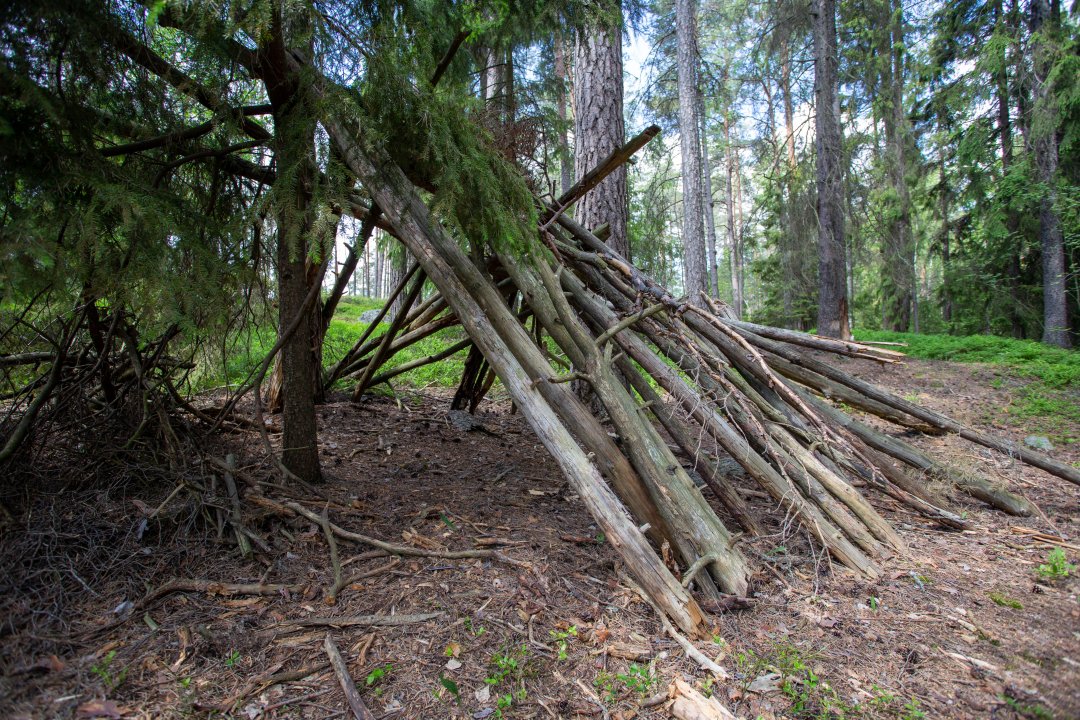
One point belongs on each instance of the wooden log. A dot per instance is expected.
(680, 431)
(807, 449)
(382, 352)
(594, 177)
(698, 531)
(931, 417)
(970, 483)
(817, 342)
(497, 332)
(733, 441)
(348, 686)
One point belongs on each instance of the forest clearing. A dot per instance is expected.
(377, 360)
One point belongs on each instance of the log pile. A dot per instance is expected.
(660, 364)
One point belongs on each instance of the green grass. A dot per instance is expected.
(1045, 380)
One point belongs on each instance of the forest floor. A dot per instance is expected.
(962, 626)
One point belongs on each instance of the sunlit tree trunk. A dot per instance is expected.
(690, 146)
(566, 160)
(832, 296)
(599, 130)
(710, 219)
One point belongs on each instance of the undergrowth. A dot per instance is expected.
(345, 328)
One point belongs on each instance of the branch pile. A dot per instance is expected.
(656, 362)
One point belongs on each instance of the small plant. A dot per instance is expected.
(1057, 566)
(232, 659)
(476, 630)
(605, 683)
(510, 667)
(185, 683)
(447, 522)
(104, 672)
(874, 603)
(451, 687)
(562, 640)
(1006, 601)
(378, 674)
(507, 700)
(638, 679)
(707, 686)
(912, 710)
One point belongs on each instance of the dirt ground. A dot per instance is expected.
(962, 626)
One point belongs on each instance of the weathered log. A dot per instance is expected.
(970, 483)
(733, 441)
(680, 431)
(936, 419)
(698, 531)
(594, 177)
(817, 342)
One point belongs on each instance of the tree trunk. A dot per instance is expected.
(899, 244)
(1044, 22)
(710, 219)
(690, 146)
(294, 140)
(599, 129)
(1012, 218)
(832, 253)
(733, 248)
(946, 236)
(792, 252)
(738, 266)
(566, 160)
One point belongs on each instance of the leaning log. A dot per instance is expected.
(495, 329)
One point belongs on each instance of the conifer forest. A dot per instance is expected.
(693, 359)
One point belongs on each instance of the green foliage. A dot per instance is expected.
(1057, 566)
(562, 640)
(510, 668)
(811, 696)
(1006, 601)
(378, 675)
(638, 679)
(451, 687)
(105, 672)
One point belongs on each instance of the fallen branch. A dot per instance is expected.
(361, 620)
(213, 587)
(347, 685)
(342, 583)
(335, 562)
(402, 549)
